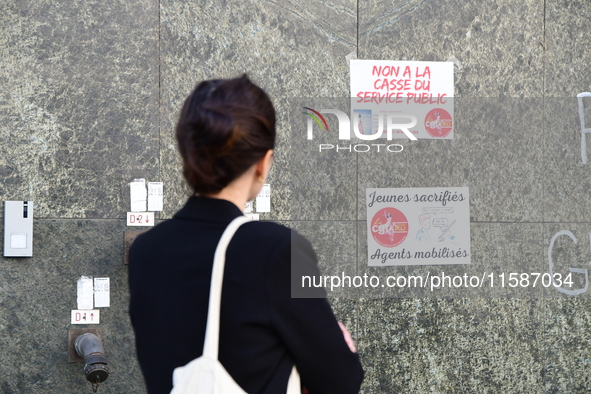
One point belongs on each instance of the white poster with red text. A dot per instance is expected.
(414, 95)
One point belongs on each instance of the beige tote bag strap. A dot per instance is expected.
(293, 384)
(212, 330)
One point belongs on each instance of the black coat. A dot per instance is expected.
(263, 330)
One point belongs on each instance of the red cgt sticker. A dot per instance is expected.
(389, 227)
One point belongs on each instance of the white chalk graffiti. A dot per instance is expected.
(584, 131)
(575, 270)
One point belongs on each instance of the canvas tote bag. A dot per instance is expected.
(206, 375)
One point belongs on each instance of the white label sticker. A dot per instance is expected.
(138, 195)
(263, 200)
(85, 317)
(140, 219)
(252, 216)
(155, 196)
(85, 292)
(102, 297)
(248, 207)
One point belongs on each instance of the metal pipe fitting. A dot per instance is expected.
(90, 347)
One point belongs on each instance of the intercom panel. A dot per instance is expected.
(18, 228)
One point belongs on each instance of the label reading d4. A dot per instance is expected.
(89, 316)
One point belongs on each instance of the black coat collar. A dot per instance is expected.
(208, 209)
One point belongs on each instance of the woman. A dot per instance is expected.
(226, 136)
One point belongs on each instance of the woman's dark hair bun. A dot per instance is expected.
(225, 126)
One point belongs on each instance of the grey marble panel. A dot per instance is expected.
(322, 182)
(79, 103)
(497, 151)
(497, 250)
(449, 346)
(566, 345)
(291, 49)
(567, 181)
(498, 43)
(567, 40)
(36, 296)
(567, 318)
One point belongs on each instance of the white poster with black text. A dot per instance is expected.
(418, 226)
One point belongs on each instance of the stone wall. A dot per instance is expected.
(89, 94)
